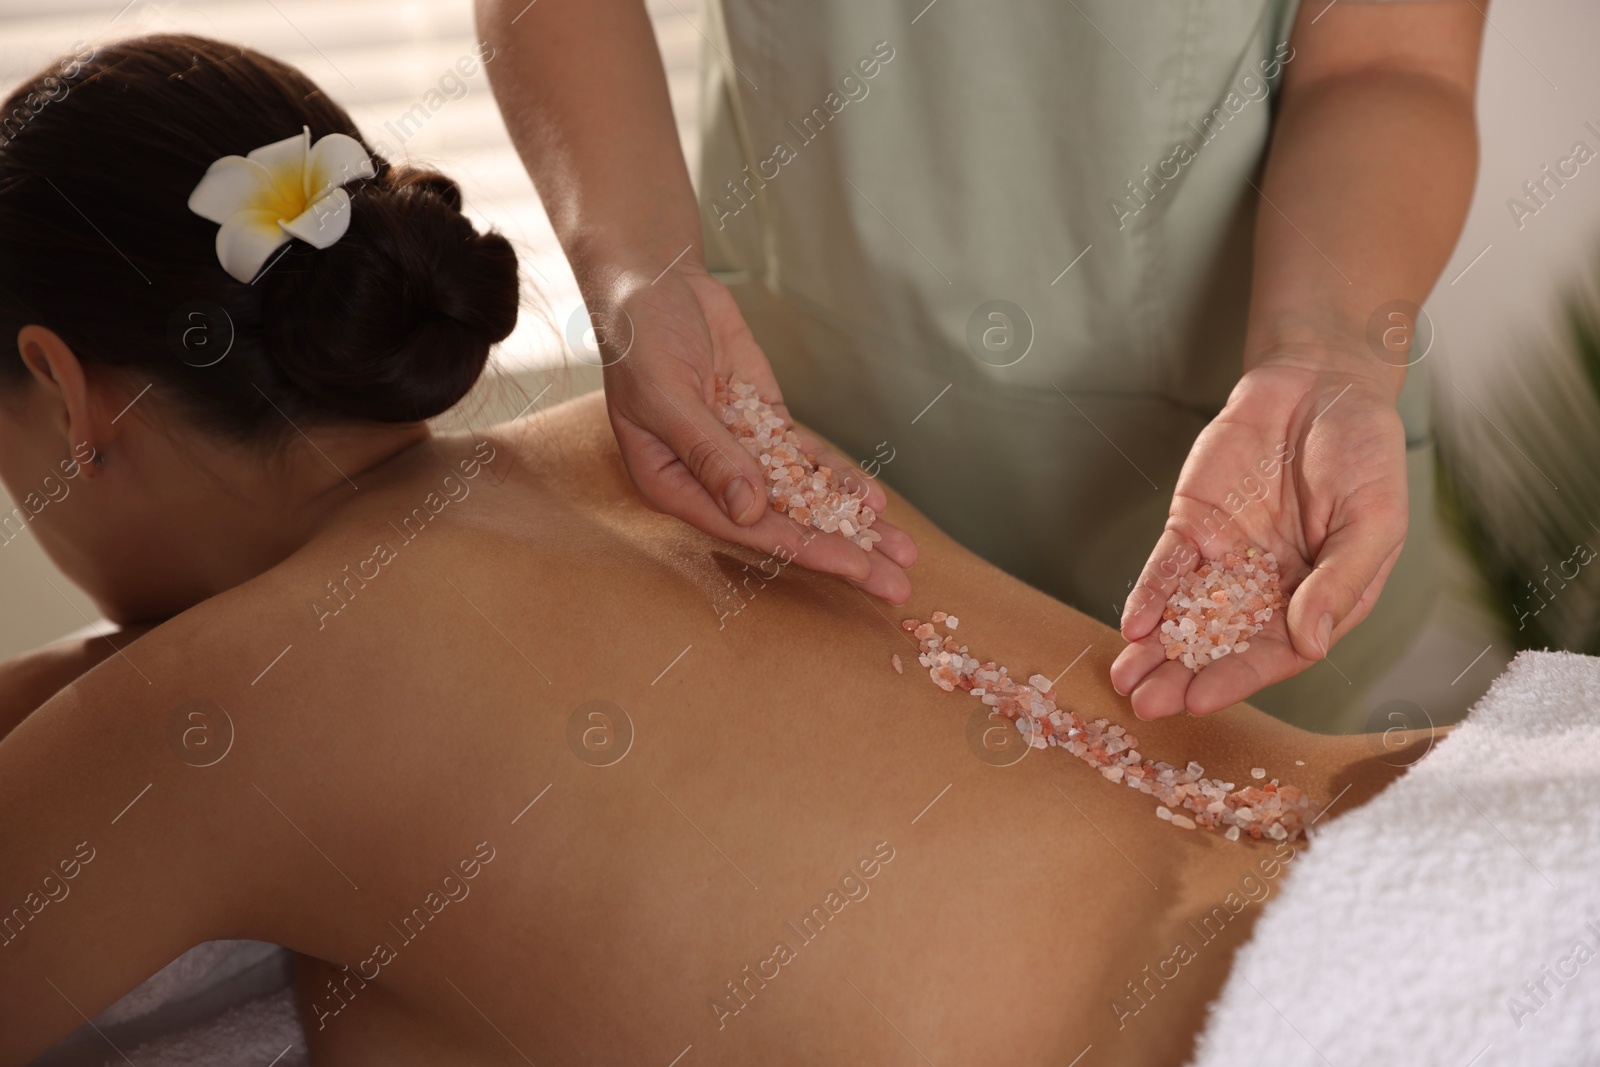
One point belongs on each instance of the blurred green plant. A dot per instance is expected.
(1519, 478)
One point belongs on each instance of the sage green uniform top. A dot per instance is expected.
(1036, 217)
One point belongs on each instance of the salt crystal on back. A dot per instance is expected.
(1278, 814)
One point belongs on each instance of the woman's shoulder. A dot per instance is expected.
(133, 834)
(460, 521)
(571, 443)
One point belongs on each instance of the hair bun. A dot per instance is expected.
(394, 322)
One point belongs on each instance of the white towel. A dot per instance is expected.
(1455, 918)
(264, 1032)
(201, 968)
(220, 1004)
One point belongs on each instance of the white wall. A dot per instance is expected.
(31, 612)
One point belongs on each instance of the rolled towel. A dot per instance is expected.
(225, 989)
(1451, 920)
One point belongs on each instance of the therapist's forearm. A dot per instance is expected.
(585, 98)
(1366, 186)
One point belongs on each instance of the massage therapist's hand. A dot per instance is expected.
(1367, 181)
(1305, 462)
(595, 129)
(685, 330)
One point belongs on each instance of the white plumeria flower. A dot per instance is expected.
(290, 188)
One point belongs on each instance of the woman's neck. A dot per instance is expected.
(239, 515)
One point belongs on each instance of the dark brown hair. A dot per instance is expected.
(392, 323)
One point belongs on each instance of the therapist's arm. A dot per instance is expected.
(584, 96)
(1368, 180)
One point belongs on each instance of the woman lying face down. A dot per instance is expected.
(523, 771)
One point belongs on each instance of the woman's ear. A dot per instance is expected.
(76, 409)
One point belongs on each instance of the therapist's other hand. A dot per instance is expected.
(680, 332)
(1305, 462)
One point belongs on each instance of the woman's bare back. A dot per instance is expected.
(546, 777)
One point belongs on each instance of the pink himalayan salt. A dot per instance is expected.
(894, 661)
(808, 494)
(1277, 812)
(1219, 606)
